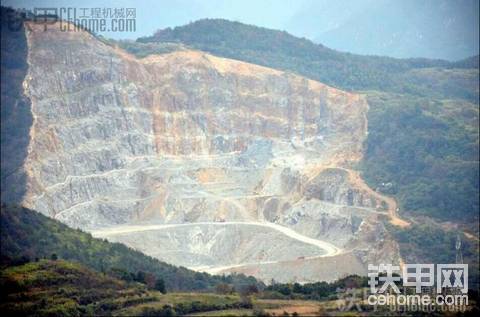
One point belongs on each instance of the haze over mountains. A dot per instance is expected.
(409, 28)
(441, 29)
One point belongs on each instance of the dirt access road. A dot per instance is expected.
(327, 249)
(355, 178)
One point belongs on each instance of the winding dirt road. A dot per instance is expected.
(328, 249)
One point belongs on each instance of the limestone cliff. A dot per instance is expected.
(189, 137)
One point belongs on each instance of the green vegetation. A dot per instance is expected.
(427, 151)
(27, 235)
(60, 288)
(183, 303)
(314, 291)
(427, 243)
(55, 287)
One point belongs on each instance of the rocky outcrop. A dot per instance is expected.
(190, 137)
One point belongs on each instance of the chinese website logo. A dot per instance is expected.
(419, 286)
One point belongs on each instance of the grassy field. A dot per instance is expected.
(62, 288)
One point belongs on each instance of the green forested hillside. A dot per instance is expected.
(427, 150)
(61, 288)
(426, 243)
(27, 235)
(423, 118)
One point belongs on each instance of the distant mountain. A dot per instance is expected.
(409, 28)
(470, 62)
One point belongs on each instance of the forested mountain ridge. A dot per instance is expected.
(278, 49)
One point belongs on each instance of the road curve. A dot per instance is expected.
(328, 248)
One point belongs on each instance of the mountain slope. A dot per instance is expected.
(426, 150)
(28, 234)
(283, 51)
(61, 288)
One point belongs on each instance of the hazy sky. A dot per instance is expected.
(400, 28)
(154, 15)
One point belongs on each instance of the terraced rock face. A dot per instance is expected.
(188, 137)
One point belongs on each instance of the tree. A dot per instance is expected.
(223, 288)
(54, 257)
(121, 274)
(140, 277)
(150, 280)
(160, 286)
(297, 288)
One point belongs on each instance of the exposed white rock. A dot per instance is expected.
(188, 137)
